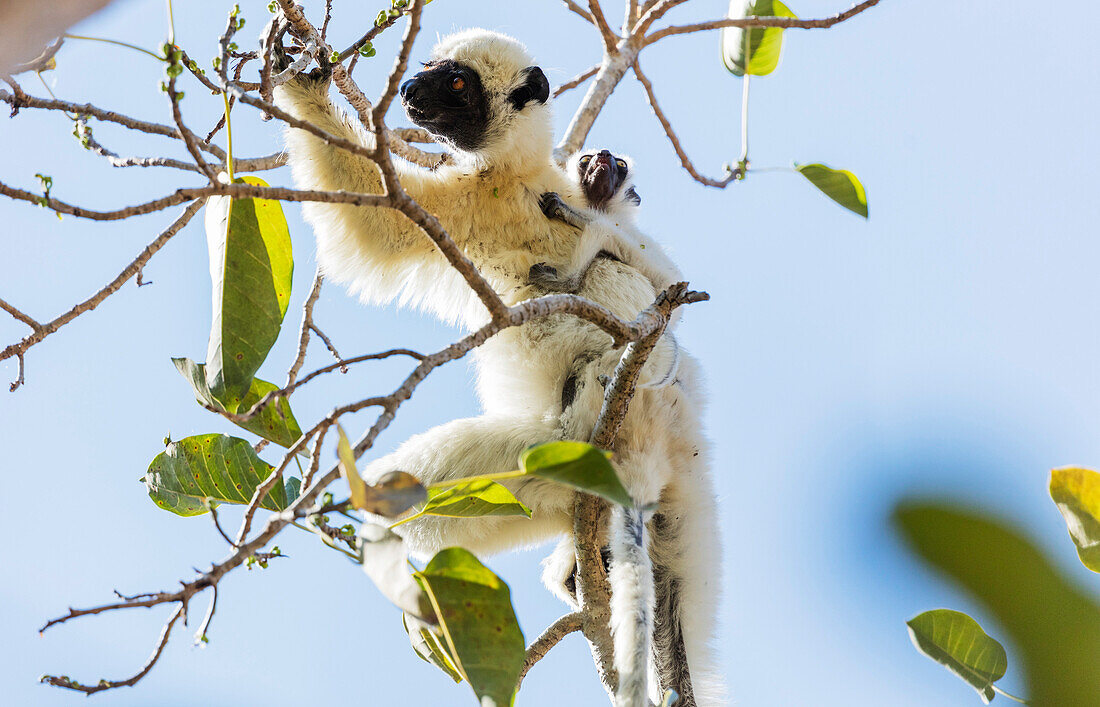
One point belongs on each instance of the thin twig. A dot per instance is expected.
(20, 315)
(113, 286)
(28, 101)
(549, 638)
(165, 633)
(685, 161)
(200, 635)
(186, 135)
(331, 348)
(784, 22)
(609, 37)
(304, 329)
(579, 11)
(576, 81)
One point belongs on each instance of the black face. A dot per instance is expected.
(601, 176)
(448, 100)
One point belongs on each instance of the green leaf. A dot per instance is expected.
(478, 623)
(474, 498)
(1077, 494)
(754, 51)
(275, 422)
(576, 464)
(217, 467)
(251, 266)
(840, 185)
(429, 645)
(386, 561)
(957, 642)
(1052, 624)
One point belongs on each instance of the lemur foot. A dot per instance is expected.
(552, 205)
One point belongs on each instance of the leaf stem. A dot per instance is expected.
(171, 25)
(480, 477)
(999, 691)
(744, 161)
(113, 41)
(228, 138)
(414, 516)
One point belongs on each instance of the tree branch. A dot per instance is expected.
(685, 161)
(95, 300)
(609, 37)
(550, 637)
(165, 633)
(576, 81)
(784, 22)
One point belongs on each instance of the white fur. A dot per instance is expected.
(488, 202)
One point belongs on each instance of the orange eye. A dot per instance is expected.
(585, 160)
(621, 163)
(458, 83)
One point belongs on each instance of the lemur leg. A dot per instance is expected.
(554, 208)
(473, 446)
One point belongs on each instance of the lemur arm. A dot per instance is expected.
(554, 208)
(469, 447)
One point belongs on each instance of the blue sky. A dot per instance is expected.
(947, 346)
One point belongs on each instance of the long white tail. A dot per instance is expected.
(632, 599)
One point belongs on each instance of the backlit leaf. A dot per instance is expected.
(576, 464)
(217, 467)
(756, 50)
(428, 644)
(1077, 494)
(957, 642)
(477, 497)
(478, 623)
(275, 422)
(840, 185)
(251, 266)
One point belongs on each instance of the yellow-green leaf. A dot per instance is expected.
(251, 267)
(212, 469)
(478, 623)
(275, 422)
(348, 470)
(755, 50)
(576, 464)
(427, 641)
(1077, 495)
(474, 498)
(393, 494)
(957, 642)
(840, 185)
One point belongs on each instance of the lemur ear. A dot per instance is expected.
(534, 88)
(632, 195)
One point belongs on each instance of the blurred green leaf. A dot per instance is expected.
(429, 645)
(217, 467)
(957, 642)
(474, 498)
(840, 185)
(251, 266)
(576, 464)
(478, 623)
(1077, 495)
(275, 422)
(293, 489)
(386, 562)
(754, 51)
(1053, 625)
